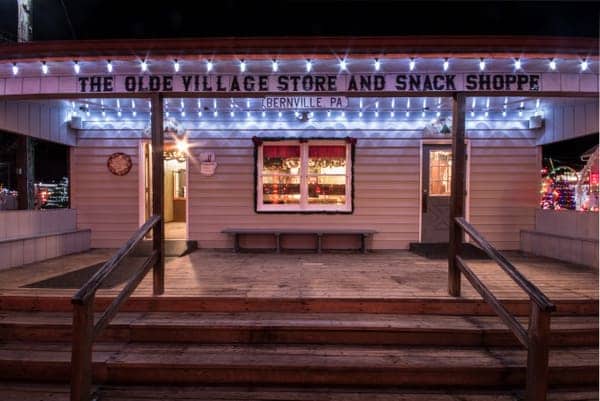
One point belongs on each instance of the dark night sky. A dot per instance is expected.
(96, 19)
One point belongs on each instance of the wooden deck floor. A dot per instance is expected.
(385, 275)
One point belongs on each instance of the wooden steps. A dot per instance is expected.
(15, 391)
(242, 364)
(23, 301)
(297, 328)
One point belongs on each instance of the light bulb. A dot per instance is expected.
(76, 67)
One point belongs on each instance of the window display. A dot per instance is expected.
(304, 176)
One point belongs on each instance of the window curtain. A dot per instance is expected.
(282, 151)
(324, 151)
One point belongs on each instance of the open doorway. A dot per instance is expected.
(175, 189)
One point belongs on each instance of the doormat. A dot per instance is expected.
(76, 279)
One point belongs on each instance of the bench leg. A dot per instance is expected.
(319, 242)
(236, 243)
(363, 248)
(277, 243)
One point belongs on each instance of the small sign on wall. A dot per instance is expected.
(208, 163)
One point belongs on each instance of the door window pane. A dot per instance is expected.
(440, 170)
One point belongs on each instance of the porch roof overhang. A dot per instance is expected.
(293, 47)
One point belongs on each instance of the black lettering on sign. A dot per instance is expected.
(307, 83)
(83, 84)
(206, 84)
(379, 82)
(471, 82)
(510, 79)
(521, 81)
(235, 85)
(438, 82)
(295, 79)
(95, 83)
(249, 83)
(534, 82)
(282, 83)
(450, 82)
(498, 82)
(263, 83)
(220, 86)
(352, 84)
(427, 83)
(187, 80)
(168, 83)
(331, 83)
(415, 82)
(484, 82)
(401, 82)
(320, 83)
(130, 83)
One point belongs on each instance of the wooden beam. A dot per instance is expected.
(537, 354)
(457, 197)
(158, 192)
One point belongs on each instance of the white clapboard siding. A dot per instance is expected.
(570, 121)
(105, 203)
(386, 179)
(36, 120)
(504, 189)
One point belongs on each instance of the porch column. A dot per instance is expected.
(158, 189)
(457, 197)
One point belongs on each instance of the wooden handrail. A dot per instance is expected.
(531, 289)
(84, 329)
(92, 285)
(536, 338)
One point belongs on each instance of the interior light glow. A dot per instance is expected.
(182, 113)
(503, 113)
(176, 65)
(279, 114)
(537, 103)
(275, 66)
(438, 113)
(472, 113)
(391, 114)
(109, 66)
(377, 104)
(446, 64)
(473, 103)
(584, 65)
(167, 113)
(376, 114)
(242, 66)
(487, 103)
(15, 69)
(423, 113)
(343, 65)
(264, 114)
(393, 103)
(407, 113)
(44, 67)
(552, 64)
(411, 64)
(328, 113)
(360, 113)
(248, 114)
(209, 66)
(518, 64)
(215, 113)
(481, 64)
(486, 113)
(134, 113)
(377, 64)
(182, 145)
(76, 67)
(408, 103)
(199, 113)
(119, 113)
(118, 104)
(232, 113)
(103, 113)
(144, 66)
(308, 65)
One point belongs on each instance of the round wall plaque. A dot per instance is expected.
(119, 163)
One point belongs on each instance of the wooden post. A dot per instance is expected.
(24, 25)
(537, 354)
(158, 196)
(457, 197)
(81, 352)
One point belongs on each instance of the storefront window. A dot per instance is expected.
(309, 176)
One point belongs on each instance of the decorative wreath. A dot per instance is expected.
(119, 163)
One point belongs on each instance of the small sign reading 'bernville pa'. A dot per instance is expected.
(304, 102)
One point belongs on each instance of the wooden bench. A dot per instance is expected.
(278, 232)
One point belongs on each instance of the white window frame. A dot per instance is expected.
(304, 206)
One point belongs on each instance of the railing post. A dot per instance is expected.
(81, 352)
(158, 188)
(457, 196)
(537, 354)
